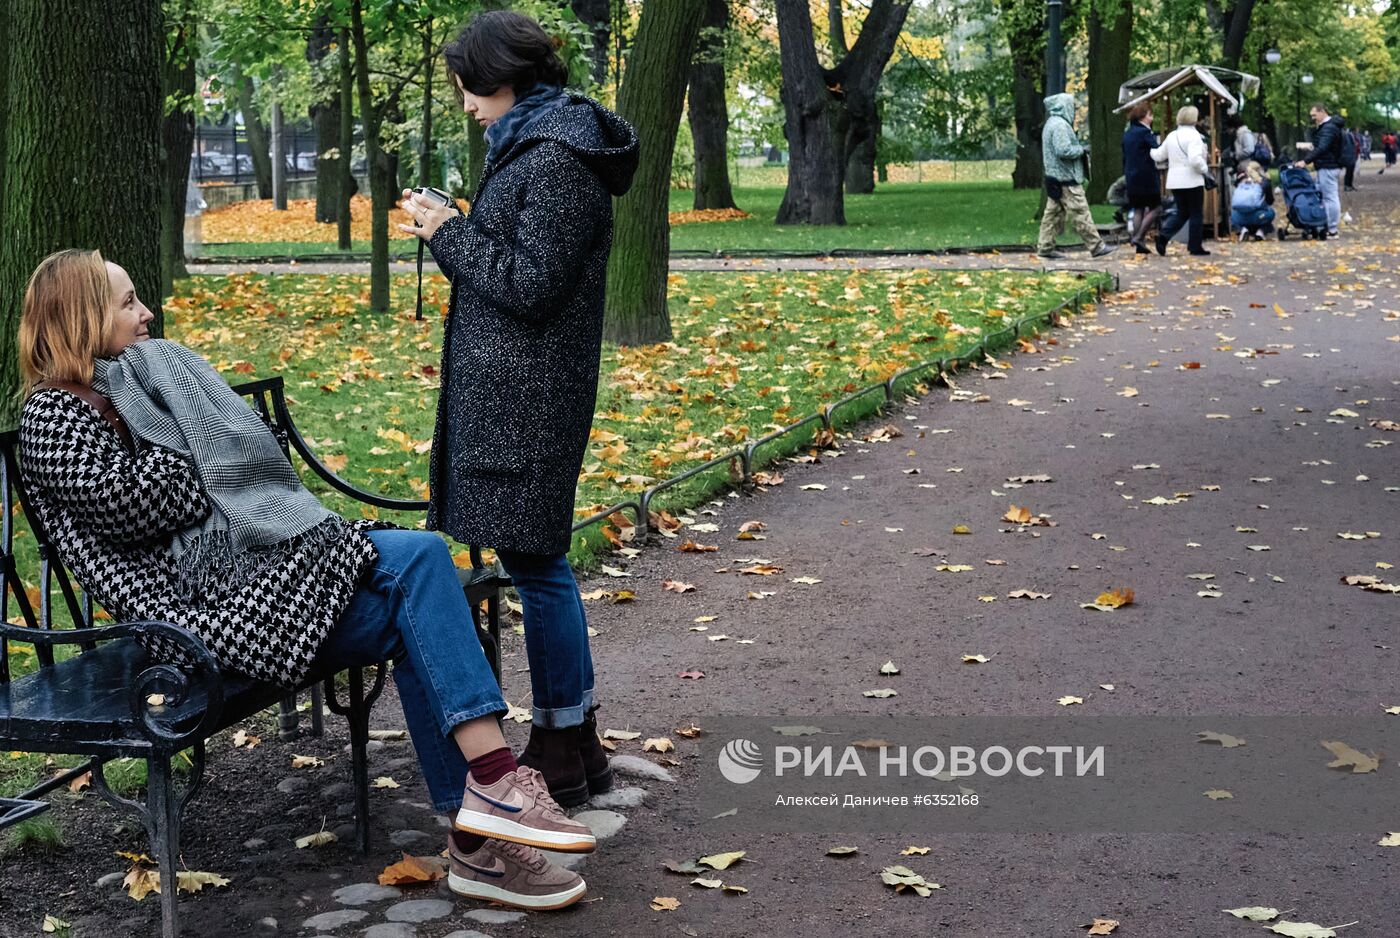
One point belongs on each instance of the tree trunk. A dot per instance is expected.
(325, 118)
(426, 176)
(1027, 97)
(651, 97)
(1109, 45)
(4, 105)
(858, 75)
(114, 149)
(279, 159)
(346, 146)
(1028, 107)
(1236, 30)
(177, 136)
(379, 183)
(597, 16)
(259, 143)
(815, 161)
(709, 115)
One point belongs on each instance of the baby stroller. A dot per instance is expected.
(1305, 209)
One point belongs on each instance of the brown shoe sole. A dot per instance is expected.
(505, 829)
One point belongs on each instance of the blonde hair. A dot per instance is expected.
(1253, 171)
(1188, 116)
(66, 318)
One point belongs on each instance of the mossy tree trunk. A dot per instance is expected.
(597, 16)
(114, 149)
(259, 138)
(651, 97)
(347, 142)
(709, 113)
(1024, 23)
(325, 118)
(858, 75)
(380, 181)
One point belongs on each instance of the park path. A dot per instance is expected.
(1291, 339)
(1114, 415)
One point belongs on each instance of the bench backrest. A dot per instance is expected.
(33, 608)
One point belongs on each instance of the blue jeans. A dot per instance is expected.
(556, 637)
(1243, 218)
(410, 609)
(1329, 182)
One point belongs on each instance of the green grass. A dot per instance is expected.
(897, 216)
(752, 352)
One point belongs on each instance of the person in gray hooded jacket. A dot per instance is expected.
(1065, 159)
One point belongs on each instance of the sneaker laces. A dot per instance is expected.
(532, 781)
(526, 856)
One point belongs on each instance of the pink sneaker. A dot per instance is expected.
(518, 808)
(512, 874)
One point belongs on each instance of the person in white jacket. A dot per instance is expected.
(1184, 149)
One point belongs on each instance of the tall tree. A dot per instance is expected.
(597, 16)
(4, 99)
(857, 74)
(1231, 20)
(177, 136)
(380, 187)
(651, 97)
(815, 164)
(345, 146)
(708, 112)
(1023, 21)
(53, 75)
(259, 137)
(1110, 41)
(325, 118)
(426, 176)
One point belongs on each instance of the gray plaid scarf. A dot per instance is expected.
(172, 398)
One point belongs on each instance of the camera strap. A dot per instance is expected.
(419, 315)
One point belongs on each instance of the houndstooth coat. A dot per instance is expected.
(524, 330)
(110, 515)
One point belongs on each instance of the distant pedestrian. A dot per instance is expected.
(1388, 144)
(1349, 158)
(1140, 174)
(1328, 158)
(1184, 149)
(1366, 145)
(1065, 161)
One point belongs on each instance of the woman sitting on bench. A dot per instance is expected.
(170, 499)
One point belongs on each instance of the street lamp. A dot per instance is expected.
(1272, 56)
(1303, 79)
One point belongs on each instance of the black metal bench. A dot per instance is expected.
(101, 701)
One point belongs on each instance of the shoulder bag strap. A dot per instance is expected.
(104, 407)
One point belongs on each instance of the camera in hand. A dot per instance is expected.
(435, 195)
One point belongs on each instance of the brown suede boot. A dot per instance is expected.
(555, 753)
(594, 756)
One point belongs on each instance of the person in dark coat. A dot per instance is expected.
(520, 357)
(1140, 173)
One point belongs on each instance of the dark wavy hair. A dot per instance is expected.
(500, 48)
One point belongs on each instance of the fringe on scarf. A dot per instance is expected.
(209, 565)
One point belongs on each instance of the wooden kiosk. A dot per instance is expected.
(1216, 92)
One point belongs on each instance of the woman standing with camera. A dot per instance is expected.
(520, 359)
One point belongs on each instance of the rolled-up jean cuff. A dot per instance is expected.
(562, 717)
(454, 720)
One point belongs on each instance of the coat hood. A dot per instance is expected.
(1338, 121)
(605, 143)
(1060, 105)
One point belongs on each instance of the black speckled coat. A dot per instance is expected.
(524, 331)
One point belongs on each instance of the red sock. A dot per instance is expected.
(488, 769)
